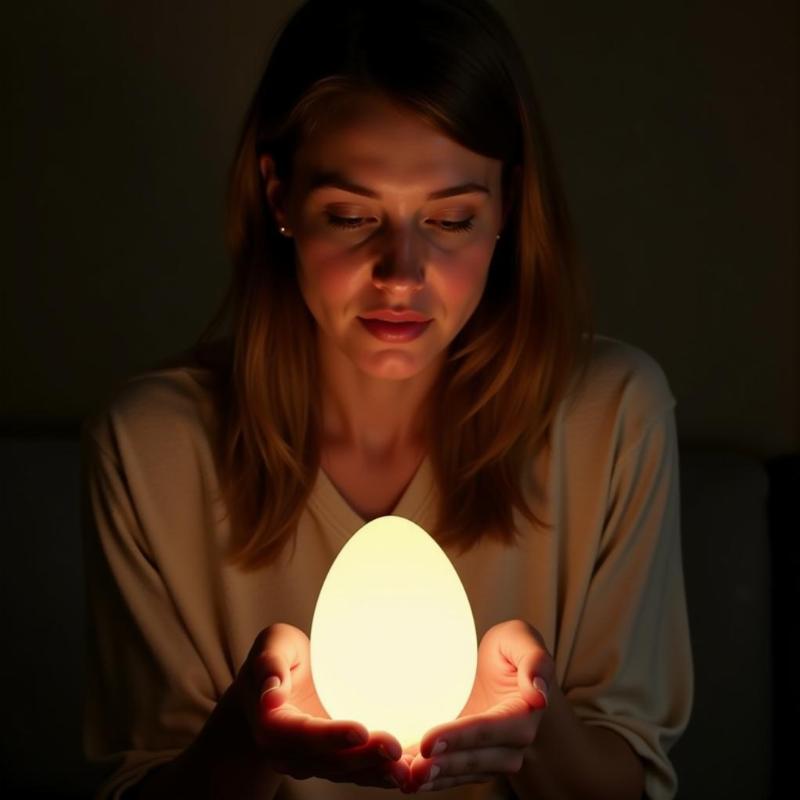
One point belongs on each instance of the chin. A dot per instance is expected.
(393, 365)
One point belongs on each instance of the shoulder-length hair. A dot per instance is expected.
(455, 64)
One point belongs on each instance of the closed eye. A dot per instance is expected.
(352, 223)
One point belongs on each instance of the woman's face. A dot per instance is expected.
(375, 169)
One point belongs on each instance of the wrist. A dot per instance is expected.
(569, 758)
(223, 761)
(561, 748)
(226, 734)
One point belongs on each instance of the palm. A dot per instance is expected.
(495, 689)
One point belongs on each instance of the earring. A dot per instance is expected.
(498, 235)
(283, 230)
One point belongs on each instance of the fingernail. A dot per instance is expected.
(272, 683)
(439, 748)
(435, 770)
(426, 787)
(541, 685)
(355, 738)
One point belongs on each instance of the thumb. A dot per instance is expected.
(533, 686)
(270, 667)
(275, 678)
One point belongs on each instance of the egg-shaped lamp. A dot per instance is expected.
(393, 641)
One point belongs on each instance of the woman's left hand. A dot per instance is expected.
(498, 724)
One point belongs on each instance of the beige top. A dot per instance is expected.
(170, 623)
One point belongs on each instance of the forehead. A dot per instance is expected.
(373, 140)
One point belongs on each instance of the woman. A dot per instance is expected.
(392, 165)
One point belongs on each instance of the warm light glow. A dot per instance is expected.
(393, 642)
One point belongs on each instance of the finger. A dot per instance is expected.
(289, 730)
(380, 748)
(487, 760)
(510, 723)
(365, 765)
(447, 783)
(332, 742)
(391, 775)
(371, 764)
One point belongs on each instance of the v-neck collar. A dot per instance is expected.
(326, 499)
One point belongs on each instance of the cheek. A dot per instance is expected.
(325, 279)
(463, 281)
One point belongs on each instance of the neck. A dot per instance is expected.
(374, 419)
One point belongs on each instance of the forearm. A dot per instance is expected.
(222, 762)
(570, 760)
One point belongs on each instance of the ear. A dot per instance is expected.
(274, 190)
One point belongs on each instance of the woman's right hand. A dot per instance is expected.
(291, 728)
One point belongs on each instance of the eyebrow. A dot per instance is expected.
(335, 180)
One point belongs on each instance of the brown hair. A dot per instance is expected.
(512, 363)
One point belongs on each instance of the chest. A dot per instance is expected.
(371, 488)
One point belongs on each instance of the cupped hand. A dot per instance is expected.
(495, 730)
(292, 729)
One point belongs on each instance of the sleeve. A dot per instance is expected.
(147, 692)
(632, 668)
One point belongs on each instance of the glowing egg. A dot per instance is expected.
(393, 642)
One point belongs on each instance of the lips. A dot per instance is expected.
(395, 331)
(394, 315)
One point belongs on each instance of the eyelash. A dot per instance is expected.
(347, 223)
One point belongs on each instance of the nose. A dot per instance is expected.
(400, 264)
